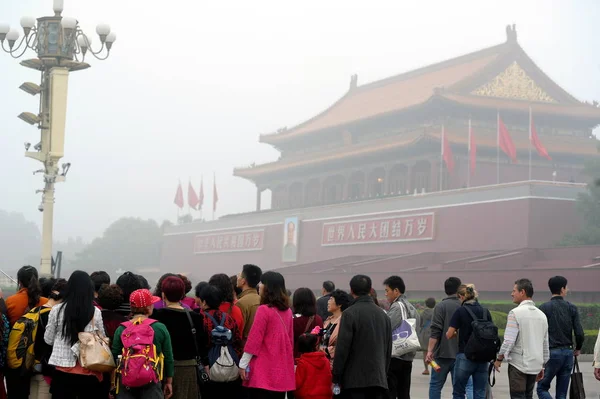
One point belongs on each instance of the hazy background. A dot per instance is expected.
(191, 84)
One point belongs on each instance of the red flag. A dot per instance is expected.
(505, 141)
(447, 152)
(192, 196)
(215, 194)
(179, 196)
(472, 149)
(535, 140)
(201, 195)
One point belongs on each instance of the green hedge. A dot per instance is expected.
(588, 343)
(589, 312)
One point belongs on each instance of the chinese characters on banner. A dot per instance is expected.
(379, 230)
(229, 242)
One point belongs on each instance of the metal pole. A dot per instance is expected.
(49, 178)
(442, 159)
(469, 158)
(530, 120)
(498, 149)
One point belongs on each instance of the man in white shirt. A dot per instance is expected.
(525, 345)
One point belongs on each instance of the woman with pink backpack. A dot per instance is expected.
(144, 352)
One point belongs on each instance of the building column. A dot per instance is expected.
(258, 197)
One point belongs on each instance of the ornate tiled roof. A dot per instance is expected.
(556, 145)
(503, 76)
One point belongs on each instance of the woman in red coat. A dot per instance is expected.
(313, 373)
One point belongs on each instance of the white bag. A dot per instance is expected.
(404, 337)
(224, 369)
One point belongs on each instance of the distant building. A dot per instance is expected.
(362, 178)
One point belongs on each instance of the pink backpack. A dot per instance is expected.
(139, 364)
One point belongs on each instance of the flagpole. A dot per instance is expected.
(530, 119)
(469, 158)
(498, 148)
(442, 158)
(214, 189)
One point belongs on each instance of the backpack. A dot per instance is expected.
(20, 352)
(222, 359)
(139, 364)
(484, 343)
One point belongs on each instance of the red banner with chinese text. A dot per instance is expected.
(397, 228)
(235, 241)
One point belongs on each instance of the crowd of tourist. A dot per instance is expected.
(245, 336)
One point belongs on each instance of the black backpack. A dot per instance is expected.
(484, 343)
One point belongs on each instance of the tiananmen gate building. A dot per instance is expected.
(425, 174)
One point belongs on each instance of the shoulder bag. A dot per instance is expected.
(94, 351)
(201, 374)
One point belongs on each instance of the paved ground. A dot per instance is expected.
(420, 383)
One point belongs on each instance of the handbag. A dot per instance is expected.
(576, 391)
(201, 374)
(404, 337)
(491, 381)
(94, 352)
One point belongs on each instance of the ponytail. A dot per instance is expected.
(28, 278)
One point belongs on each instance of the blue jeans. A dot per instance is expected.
(438, 379)
(463, 370)
(560, 366)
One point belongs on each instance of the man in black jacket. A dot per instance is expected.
(364, 346)
(328, 288)
(563, 324)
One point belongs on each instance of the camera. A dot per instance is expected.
(41, 207)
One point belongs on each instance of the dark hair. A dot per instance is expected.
(341, 299)
(307, 343)
(99, 278)
(27, 276)
(186, 282)
(58, 290)
(173, 288)
(211, 295)
(110, 297)
(395, 282)
(199, 287)
(223, 283)
(526, 285)
(556, 284)
(237, 290)
(158, 289)
(274, 292)
(129, 282)
(304, 302)
(451, 285)
(360, 285)
(78, 308)
(142, 282)
(46, 285)
(252, 274)
(430, 303)
(328, 286)
(373, 294)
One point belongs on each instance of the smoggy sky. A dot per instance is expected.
(191, 84)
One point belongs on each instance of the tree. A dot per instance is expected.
(20, 241)
(127, 244)
(588, 205)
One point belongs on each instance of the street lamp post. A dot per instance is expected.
(61, 47)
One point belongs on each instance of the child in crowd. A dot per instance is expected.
(313, 373)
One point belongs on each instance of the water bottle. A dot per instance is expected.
(247, 372)
(336, 389)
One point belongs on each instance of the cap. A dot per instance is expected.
(142, 298)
